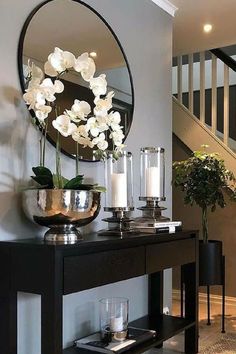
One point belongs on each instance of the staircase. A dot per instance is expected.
(204, 103)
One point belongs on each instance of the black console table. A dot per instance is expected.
(55, 270)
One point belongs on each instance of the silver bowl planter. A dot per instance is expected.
(62, 211)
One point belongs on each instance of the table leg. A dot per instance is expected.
(8, 323)
(191, 307)
(155, 296)
(181, 294)
(51, 324)
(52, 308)
(8, 305)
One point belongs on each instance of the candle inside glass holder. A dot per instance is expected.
(114, 318)
(118, 180)
(152, 168)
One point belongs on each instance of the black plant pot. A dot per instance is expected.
(210, 263)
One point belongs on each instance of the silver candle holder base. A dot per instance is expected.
(151, 214)
(120, 224)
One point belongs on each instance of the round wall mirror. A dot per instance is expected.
(74, 26)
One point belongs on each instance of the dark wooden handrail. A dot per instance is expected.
(219, 53)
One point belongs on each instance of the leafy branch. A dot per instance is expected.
(203, 177)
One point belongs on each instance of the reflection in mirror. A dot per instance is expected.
(75, 27)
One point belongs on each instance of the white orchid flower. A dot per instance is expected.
(34, 72)
(99, 85)
(37, 73)
(49, 69)
(63, 124)
(114, 120)
(100, 141)
(58, 86)
(42, 112)
(86, 66)
(119, 144)
(93, 126)
(34, 84)
(41, 92)
(102, 106)
(47, 90)
(102, 123)
(85, 142)
(61, 60)
(79, 111)
(80, 135)
(117, 137)
(30, 97)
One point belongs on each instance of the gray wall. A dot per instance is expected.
(222, 225)
(145, 33)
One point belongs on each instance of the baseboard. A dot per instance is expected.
(215, 299)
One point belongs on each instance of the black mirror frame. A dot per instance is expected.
(20, 63)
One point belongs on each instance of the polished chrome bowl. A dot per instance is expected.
(62, 210)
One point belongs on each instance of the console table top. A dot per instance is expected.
(93, 239)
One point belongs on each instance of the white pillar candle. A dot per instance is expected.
(152, 182)
(117, 324)
(118, 190)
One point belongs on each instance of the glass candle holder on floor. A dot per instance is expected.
(119, 194)
(114, 318)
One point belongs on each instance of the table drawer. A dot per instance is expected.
(169, 254)
(91, 270)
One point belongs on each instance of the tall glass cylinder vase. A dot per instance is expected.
(119, 181)
(152, 188)
(114, 318)
(152, 173)
(119, 194)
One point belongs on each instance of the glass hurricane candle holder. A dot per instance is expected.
(114, 319)
(152, 173)
(152, 187)
(119, 194)
(119, 181)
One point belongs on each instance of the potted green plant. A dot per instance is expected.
(203, 178)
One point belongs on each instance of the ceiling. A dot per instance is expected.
(188, 35)
(74, 27)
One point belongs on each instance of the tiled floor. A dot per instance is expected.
(208, 334)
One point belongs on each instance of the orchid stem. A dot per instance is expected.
(40, 152)
(44, 144)
(77, 160)
(58, 161)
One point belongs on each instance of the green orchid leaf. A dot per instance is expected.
(44, 180)
(74, 183)
(99, 189)
(64, 181)
(42, 171)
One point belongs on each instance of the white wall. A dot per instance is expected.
(145, 33)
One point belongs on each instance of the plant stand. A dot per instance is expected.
(221, 283)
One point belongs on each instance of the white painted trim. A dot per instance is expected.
(167, 6)
(192, 116)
